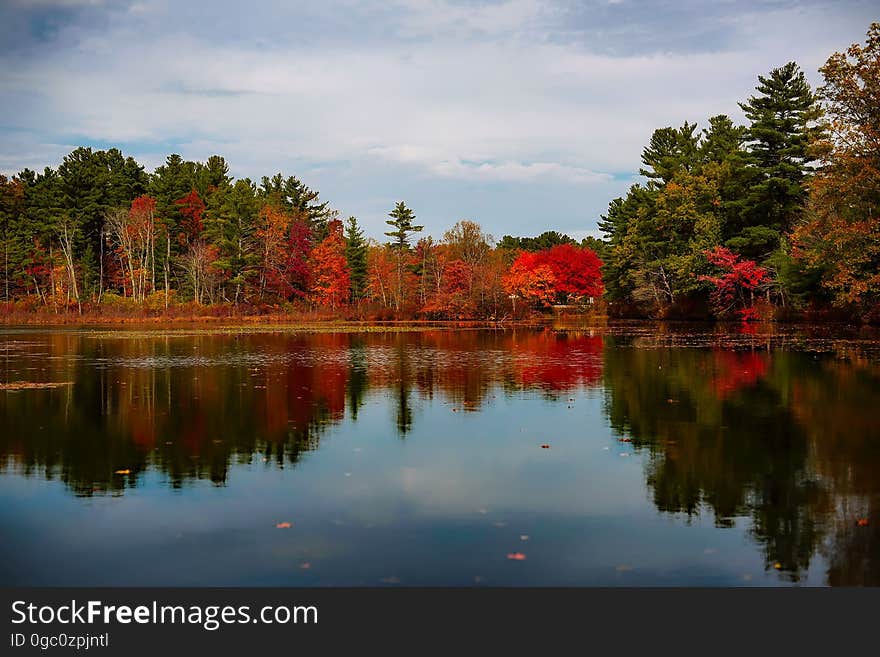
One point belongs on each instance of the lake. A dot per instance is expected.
(639, 454)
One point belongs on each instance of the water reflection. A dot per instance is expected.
(777, 435)
(789, 439)
(191, 406)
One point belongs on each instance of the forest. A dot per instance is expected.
(776, 219)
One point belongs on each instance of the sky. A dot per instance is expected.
(522, 115)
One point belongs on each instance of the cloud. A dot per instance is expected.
(506, 107)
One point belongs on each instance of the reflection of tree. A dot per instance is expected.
(836, 403)
(357, 374)
(191, 406)
(785, 440)
(720, 437)
(401, 397)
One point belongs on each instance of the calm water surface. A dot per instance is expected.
(623, 456)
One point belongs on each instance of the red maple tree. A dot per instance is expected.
(192, 208)
(735, 287)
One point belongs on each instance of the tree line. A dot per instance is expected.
(99, 231)
(772, 219)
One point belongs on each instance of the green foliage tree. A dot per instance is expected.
(783, 119)
(356, 257)
(546, 240)
(230, 224)
(401, 221)
(292, 196)
(670, 151)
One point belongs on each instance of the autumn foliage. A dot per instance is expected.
(330, 274)
(562, 274)
(734, 287)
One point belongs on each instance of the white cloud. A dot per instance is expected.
(457, 93)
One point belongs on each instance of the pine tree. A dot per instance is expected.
(292, 196)
(402, 219)
(356, 256)
(783, 117)
(670, 151)
(230, 225)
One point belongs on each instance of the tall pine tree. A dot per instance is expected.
(356, 256)
(782, 117)
(402, 221)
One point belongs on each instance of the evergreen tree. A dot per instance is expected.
(721, 141)
(546, 240)
(782, 117)
(170, 182)
(401, 220)
(356, 256)
(211, 176)
(230, 225)
(670, 151)
(291, 195)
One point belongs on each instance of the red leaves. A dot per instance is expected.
(143, 208)
(283, 525)
(564, 273)
(739, 277)
(330, 274)
(285, 247)
(576, 270)
(862, 522)
(516, 556)
(531, 279)
(192, 208)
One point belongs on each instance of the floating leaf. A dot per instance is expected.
(516, 556)
(284, 525)
(32, 385)
(545, 446)
(523, 537)
(122, 472)
(305, 565)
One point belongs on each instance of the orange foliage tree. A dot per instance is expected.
(564, 273)
(531, 279)
(329, 268)
(841, 235)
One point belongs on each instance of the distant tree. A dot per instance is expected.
(330, 280)
(545, 240)
(231, 225)
(356, 257)
(839, 237)
(531, 279)
(670, 151)
(401, 221)
(467, 242)
(291, 195)
(783, 122)
(192, 209)
(734, 288)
